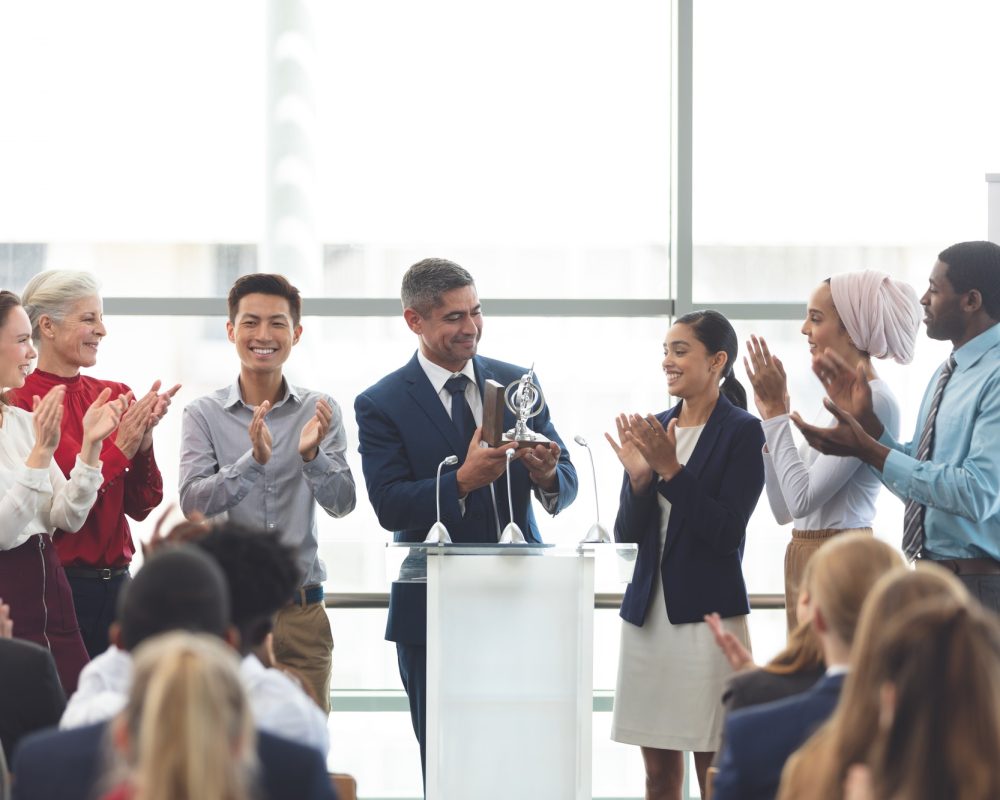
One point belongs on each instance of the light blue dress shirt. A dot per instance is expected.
(219, 475)
(960, 483)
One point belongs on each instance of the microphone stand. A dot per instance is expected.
(597, 533)
(511, 534)
(438, 534)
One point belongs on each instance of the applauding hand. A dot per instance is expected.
(848, 389)
(99, 422)
(767, 376)
(47, 420)
(260, 434)
(315, 430)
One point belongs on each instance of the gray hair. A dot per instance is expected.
(427, 280)
(52, 292)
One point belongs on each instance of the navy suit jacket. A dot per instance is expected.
(31, 696)
(67, 765)
(758, 740)
(404, 432)
(711, 498)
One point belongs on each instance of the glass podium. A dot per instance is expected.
(510, 638)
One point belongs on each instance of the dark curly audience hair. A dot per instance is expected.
(262, 574)
(717, 334)
(975, 265)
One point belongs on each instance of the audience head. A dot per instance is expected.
(963, 295)
(67, 318)
(187, 730)
(16, 351)
(845, 569)
(267, 284)
(819, 768)
(937, 668)
(261, 572)
(803, 652)
(426, 282)
(866, 313)
(709, 356)
(178, 588)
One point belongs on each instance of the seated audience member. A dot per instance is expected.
(179, 588)
(818, 769)
(937, 673)
(187, 730)
(31, 697)
(758, 740)
(261, 575)
(792, 671)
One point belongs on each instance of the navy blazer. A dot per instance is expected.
(404, 432)
(758, 740)
(711, 499)
(68, 765)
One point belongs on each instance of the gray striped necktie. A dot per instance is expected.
(913, 516)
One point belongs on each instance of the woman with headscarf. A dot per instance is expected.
(858, 316)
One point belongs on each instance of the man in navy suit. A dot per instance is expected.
(431, 408)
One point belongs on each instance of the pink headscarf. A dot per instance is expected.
(881, 315)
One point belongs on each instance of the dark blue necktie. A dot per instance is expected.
(461, 414)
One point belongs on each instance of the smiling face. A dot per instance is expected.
(823, 327)
(16, 351)
(263, 332)
(690, 369)
(943, 314)
(450, 332)
(70, 343)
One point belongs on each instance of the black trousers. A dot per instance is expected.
(985, 588)
(96, 603)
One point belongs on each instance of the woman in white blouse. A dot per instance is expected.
(858, 316)
(35, 498)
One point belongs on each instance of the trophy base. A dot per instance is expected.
(526, 439)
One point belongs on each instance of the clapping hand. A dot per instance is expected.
(134, 422)
(732, 648)
(160, 408)
(260, 434)
(315, 430)
(47, 420)
(767, 376)
(845, 438)
(848, 389)
(6, 623)
(99, 422)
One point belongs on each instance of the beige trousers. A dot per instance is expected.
(303, 641)
(802, 547)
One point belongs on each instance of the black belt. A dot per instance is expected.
(308, 595)
(103, 574)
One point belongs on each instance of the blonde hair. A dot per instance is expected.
(803, 652)
(50, 293)
(943, 662)
(845, 569)
(190, 730)
(819, 767)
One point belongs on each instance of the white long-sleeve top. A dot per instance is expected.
(278, 704)
(816, 491)
(38, 500)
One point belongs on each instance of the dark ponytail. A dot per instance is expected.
(717, 334)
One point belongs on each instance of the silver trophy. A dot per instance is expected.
(525, 400)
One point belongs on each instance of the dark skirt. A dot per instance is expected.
(34, 585)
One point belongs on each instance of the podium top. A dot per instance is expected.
(408, 560)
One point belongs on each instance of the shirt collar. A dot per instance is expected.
(974, 349)
(235, 398)
(439, 375)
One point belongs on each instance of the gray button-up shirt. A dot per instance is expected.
(219, 475)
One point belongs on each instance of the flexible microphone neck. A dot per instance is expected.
(437, 485)
(593, 473)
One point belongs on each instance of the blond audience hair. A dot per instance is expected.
(187, 731)
(819, 767)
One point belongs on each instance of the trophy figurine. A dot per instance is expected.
(525, 400)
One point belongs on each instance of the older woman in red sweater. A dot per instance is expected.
(65, 310)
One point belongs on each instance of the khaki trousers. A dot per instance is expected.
(303, 641)
(802, 547)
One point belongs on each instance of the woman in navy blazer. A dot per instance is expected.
(693, 476)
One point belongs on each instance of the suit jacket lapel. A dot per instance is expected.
(424, 395)
(696, 463)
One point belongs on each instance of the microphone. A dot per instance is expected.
(511, 534)
(597, 533)
(438, 534)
